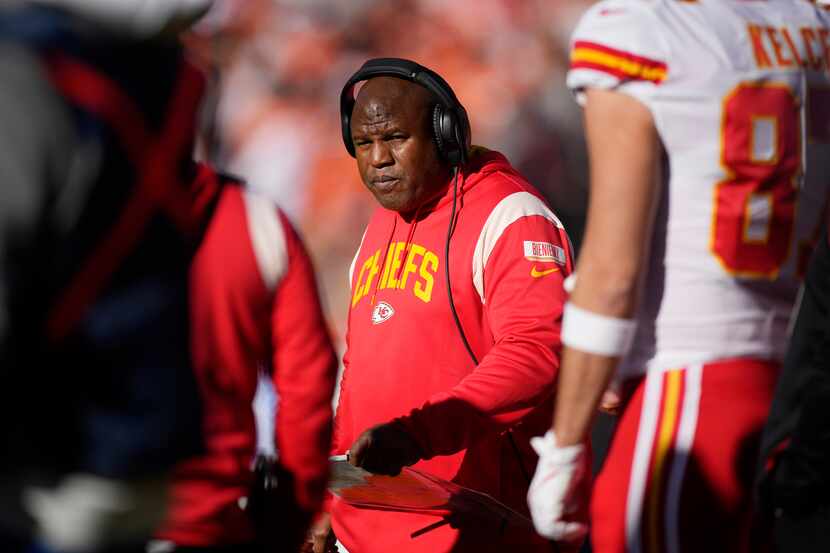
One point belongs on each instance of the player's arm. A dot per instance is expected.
(625, 153)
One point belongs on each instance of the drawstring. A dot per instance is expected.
(388, 243)
(387, 263)
(408, 244)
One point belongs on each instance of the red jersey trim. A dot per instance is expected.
(620, 64)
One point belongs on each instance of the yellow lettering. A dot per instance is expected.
(410, 267)
(776, 47)
(825, 47)
(392, 282)
(372, 272)
(386, 263)
(808, 35)
(358, 288)
(761, 57)
(423, 289)
(793, 49)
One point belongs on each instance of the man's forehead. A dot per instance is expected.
(389, 95)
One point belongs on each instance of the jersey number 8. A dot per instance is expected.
(754, 212)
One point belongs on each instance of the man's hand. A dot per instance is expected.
(320, 538)
(556, 492)
(385, 449)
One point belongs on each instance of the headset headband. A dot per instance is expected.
(409, 71)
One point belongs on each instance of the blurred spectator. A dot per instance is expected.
(98, 399)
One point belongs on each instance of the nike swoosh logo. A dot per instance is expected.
(536, 273)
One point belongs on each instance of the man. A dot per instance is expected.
(411, 392)
(704, 128)
(795, 450)
(254, 310)
(96, 235)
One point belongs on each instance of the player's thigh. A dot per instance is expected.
(679, 472)
(716, 508)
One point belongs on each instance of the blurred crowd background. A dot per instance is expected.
(278, 66)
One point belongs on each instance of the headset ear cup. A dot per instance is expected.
(449, 134)
(437, 131)
(446, 133)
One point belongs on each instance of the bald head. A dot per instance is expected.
(391, 128)
(382, 95)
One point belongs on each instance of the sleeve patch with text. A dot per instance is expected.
(544, 251)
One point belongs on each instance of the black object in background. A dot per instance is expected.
(280, 523)
(794, 489)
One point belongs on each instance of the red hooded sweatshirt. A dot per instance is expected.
(254, 305)
(405, 359)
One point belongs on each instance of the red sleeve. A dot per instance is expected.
(305, 367)
(524, 299)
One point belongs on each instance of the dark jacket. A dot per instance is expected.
(795, 449)
(95, 242)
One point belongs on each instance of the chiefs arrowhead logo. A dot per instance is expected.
(381, 313)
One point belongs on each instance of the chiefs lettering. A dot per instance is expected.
(405, 267)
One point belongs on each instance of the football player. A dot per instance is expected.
(707, 128)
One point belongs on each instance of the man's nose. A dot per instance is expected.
(380, 156)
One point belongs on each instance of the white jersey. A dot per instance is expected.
(740, 95)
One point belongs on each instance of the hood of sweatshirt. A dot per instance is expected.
(482, 163)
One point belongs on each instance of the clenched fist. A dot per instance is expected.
(385, 449)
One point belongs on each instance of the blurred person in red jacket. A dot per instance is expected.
(457, 399)
(254, 310)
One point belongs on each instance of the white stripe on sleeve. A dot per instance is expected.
(267, 238)
(507, 211)
(354, 259)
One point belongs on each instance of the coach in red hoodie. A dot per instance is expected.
(412, 393)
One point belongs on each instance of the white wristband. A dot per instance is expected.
(594, 333)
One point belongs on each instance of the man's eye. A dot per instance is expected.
(360, 143)
(398, 137)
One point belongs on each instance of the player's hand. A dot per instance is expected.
(556, 493)
(385, 449)
(320, 538)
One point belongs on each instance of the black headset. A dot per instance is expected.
(450, 125)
